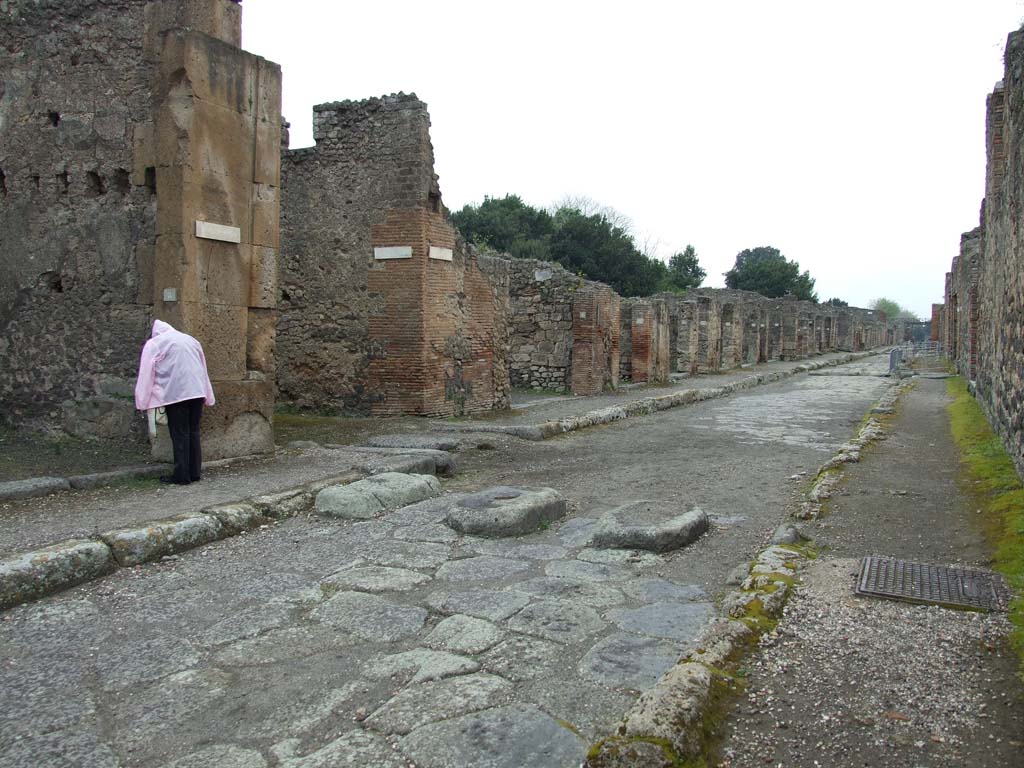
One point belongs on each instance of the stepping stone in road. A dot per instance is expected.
(650, 526)
(506, 511)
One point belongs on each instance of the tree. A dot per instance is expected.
(888, 306)
(508, 225)
(766, 271)
(833, 302)
(683, 271)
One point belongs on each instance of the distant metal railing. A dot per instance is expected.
(921, 358)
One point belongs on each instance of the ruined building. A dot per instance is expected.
(139, 176)
(982, 319)
(383, 307)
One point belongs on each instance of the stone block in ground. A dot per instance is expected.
(421, 665)
(672, 621)
(364, 499)
(483, 568)
(377, 578)
(521, 657)
(355, 749)
(33, 486)
(594, 594)
(625, 660)
(463, 634)
(481, 603)
(132, 546)
(61, 566)
(428, 702)
(650, 526)
(371, 617)
(416, 440)
(506, 511)
(559, 620)
(503, 737)
(222, 756)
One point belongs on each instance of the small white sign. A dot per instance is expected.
(639, 321)
(441, 254)
(541, 275)
(583, 315)
(209, 231)
(170, 294)
(393, 252)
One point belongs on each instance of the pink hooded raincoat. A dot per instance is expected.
(172, 369)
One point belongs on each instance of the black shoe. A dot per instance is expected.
(169, 480)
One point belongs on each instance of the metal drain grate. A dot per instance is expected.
(943, 585)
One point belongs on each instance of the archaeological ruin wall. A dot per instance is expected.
(139, 166)
(383, 308)
(983, 312)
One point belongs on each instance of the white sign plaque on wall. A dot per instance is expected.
(441, 254)
(210, 231)
(392, 252)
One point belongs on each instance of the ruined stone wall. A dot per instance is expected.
(966, 301)
(596, 335)
(541, 297)
(650, 333)
(78, 218)
(384, 308)
(122, 124)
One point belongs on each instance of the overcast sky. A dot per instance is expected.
(848, 135)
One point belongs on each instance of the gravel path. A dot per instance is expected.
(846, 681)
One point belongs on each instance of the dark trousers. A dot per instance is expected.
(183, 424)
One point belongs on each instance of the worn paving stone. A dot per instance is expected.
(285, 644)
(521, 657)
(427, 512)
(592, 709)
(582, 571)
(463, 634)
(424, 703)
(126, 664)
(421, 665)
(405, 554)
(435, 532)
(221, 756)
(625, 660)
(355, 749)
(482, 568)
(482, 603)
(377, 578)
(656, 590)
(364, 499)
(591, 593)
(45, 698)
(517, 551)
(69, 748)
(506, 511)
(371, 617)
(420, 441)
(246, 624)
(269, 586)
(504, 737)
(674, 621)
(559, 620)
(133, 546)
(633, 557)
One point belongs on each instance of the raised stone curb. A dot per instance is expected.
(645, 406)
(505, 511)
(134, 546)
(639, 526)
(34, 486)
(33, 574)
(101, 479)
(365, 499)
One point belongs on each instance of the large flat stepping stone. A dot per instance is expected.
(650, 526)
(504, 737)
(371, 617)
(426, 702)
(590, 593)
(365, 499)
(624, 660)
(483, 568)
(355, 749)
(377, 578)
(506, 511)
(463, 634)
(481, 603)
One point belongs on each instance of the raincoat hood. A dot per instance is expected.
(159, 326)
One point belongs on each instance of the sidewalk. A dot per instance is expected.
(849, 681)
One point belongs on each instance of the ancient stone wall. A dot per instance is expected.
(122, 124)
(965, 303)
(648, 321)
(596, 332)
(384, 309)
(541, 296)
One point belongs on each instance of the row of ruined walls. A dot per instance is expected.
(981, 322)
(122, 124)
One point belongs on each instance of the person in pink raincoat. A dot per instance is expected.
(172, 375)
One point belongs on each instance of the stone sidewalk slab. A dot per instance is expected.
(506, 511)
